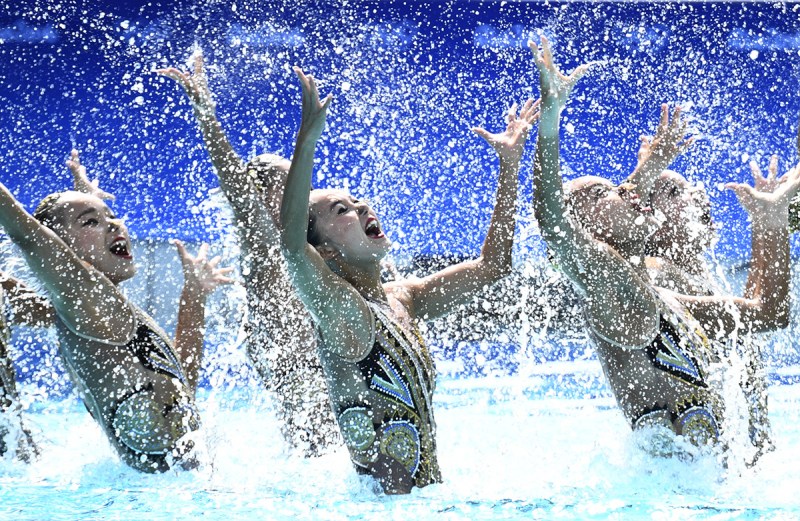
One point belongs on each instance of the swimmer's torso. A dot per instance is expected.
(667, 381)
(136, 391)
(383, 401)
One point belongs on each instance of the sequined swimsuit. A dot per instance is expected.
(124, 388)
(383, 401)
(680, 352)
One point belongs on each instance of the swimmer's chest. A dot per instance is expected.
(148, 357)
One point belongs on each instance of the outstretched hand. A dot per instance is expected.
(669, 141)
(314, 110)
(771, 181)
(201, 274)
(510, 144)
(768, 200)
(195, 84)
(80, 181)
(554, 85)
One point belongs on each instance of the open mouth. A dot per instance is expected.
(120, 248)
(637, 205)
(373, 229)
(626, 192)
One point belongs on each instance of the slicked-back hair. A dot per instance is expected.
(46, 212)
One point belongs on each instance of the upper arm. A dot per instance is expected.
(341, 314)
(620, 305)
(437, 294)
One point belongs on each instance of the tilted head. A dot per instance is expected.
(88, 226)
(345, 228)
(268, 173)
(685, 213)
(610, 213)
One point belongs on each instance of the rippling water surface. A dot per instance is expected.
(510, 448)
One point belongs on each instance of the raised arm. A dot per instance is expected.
(82, 296)
(765, 305)
(200, 278)
(620, 304)
(439, 293)
(341, 314)
(247, 205)
(656, 153)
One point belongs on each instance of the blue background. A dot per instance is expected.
(409, 80)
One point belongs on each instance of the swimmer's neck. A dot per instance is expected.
(365, 278)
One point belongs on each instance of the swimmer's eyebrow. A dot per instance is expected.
(85, 212)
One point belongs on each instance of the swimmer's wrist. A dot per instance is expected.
(777, 220)
(194, 293)
(205, 111)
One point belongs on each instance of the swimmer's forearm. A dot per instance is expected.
(499, 243)
(189, 332)
(294, 206)
(230, 169)
(769, 278)
(227, 162)
(548, 198)
(28, 308)
(20, 226)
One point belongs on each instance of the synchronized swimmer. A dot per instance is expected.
(342, 350)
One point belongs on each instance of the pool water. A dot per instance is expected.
(523, 432)
(539, 446)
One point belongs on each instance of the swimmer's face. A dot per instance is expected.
(686, 211)
(347, 227)
(94, 233)
(609, 213)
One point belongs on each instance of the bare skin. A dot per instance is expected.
(604, 262)
(281, 343)
(29, 309)
(335, 278)
(80, 262)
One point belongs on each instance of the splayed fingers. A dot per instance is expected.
(80, 181)
(769, 182)
(669, 140)
(555, 86)
(201, 274)
(195, 84)
(510, 144)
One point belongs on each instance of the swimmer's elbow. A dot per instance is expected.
(495, 269)
(766, 319)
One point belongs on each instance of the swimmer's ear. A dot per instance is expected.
(326, 252)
